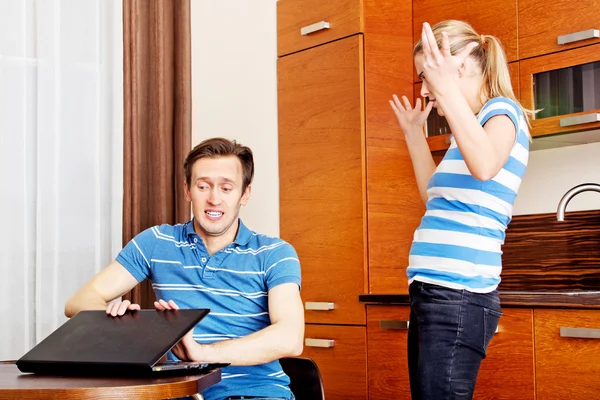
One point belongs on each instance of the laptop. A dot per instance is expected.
(95, 343)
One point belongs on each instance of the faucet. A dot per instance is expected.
(562, 204)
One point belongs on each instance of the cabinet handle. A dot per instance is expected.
(319, 305)
(577, 36)
(583, 333)
(325, 343)
(317, 26)
(391, 324)
(580, 119)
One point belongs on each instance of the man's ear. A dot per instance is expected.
(186, 190)
(246, 195)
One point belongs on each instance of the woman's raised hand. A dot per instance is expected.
(411, 119)
(440, 66)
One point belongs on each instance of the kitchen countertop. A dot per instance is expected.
(528, 299)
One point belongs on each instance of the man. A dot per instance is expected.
(249, 281)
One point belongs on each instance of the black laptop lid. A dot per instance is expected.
(136, 338)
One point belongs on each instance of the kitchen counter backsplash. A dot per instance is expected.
(542, 254)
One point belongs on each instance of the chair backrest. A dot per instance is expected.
(305, 378)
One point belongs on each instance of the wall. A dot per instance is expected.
(234, 91)
(550, 173)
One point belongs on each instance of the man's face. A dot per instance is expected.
(216, 194)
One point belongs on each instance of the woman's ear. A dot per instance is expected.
(468, 68)
(463, 69)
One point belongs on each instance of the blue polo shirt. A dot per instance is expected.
(234, 283)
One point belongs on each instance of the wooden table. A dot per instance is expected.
(16, 385)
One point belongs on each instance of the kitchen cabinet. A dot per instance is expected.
(308, 23)
(567, 344)
(506, 373)
(340, 353)
(336, 128)
(565, 87)
(387, 333)
(555, 25)
(322, 183)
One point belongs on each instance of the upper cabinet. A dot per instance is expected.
(565, 88)
(306, 23)
(554, 25)
(497, 17)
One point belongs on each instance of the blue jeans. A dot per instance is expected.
(448, 335)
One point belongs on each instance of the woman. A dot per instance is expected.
(455, 259)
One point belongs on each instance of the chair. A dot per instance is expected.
(305, 378)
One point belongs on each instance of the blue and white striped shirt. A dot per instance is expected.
(234, 283)
(458, 244)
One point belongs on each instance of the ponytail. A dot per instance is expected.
(496, 74)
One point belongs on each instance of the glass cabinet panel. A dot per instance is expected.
(567, 90)
(436, 125)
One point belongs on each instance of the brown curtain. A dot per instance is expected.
(157, 118)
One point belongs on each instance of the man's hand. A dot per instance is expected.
(119, 308)
(187, 348)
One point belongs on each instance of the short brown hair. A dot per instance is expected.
(221, 147)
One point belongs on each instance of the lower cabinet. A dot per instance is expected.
(567, 351)
(506, 373)
(387, 333)
(341, 355)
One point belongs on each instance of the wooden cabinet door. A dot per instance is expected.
(387, 335)
(306, 23)
(321, 173)
(567, 349)
(341, 355)
(542, 23)
(507, 373)
(578, 87)
(497, 17)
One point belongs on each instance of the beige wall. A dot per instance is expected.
(551, 173)
(234, 90)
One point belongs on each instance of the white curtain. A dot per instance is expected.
(61, 139)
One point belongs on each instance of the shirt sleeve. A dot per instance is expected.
(501, 106)
(282, 266)
(136, 255)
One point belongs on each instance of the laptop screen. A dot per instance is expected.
(138, 337)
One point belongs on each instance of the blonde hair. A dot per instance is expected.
(488, 54)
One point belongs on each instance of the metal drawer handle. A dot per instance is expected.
(319, 305)
(325, 343)
(583, 333)
(317, 26)
(580, 119)
(577, 36)
(391, 324)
